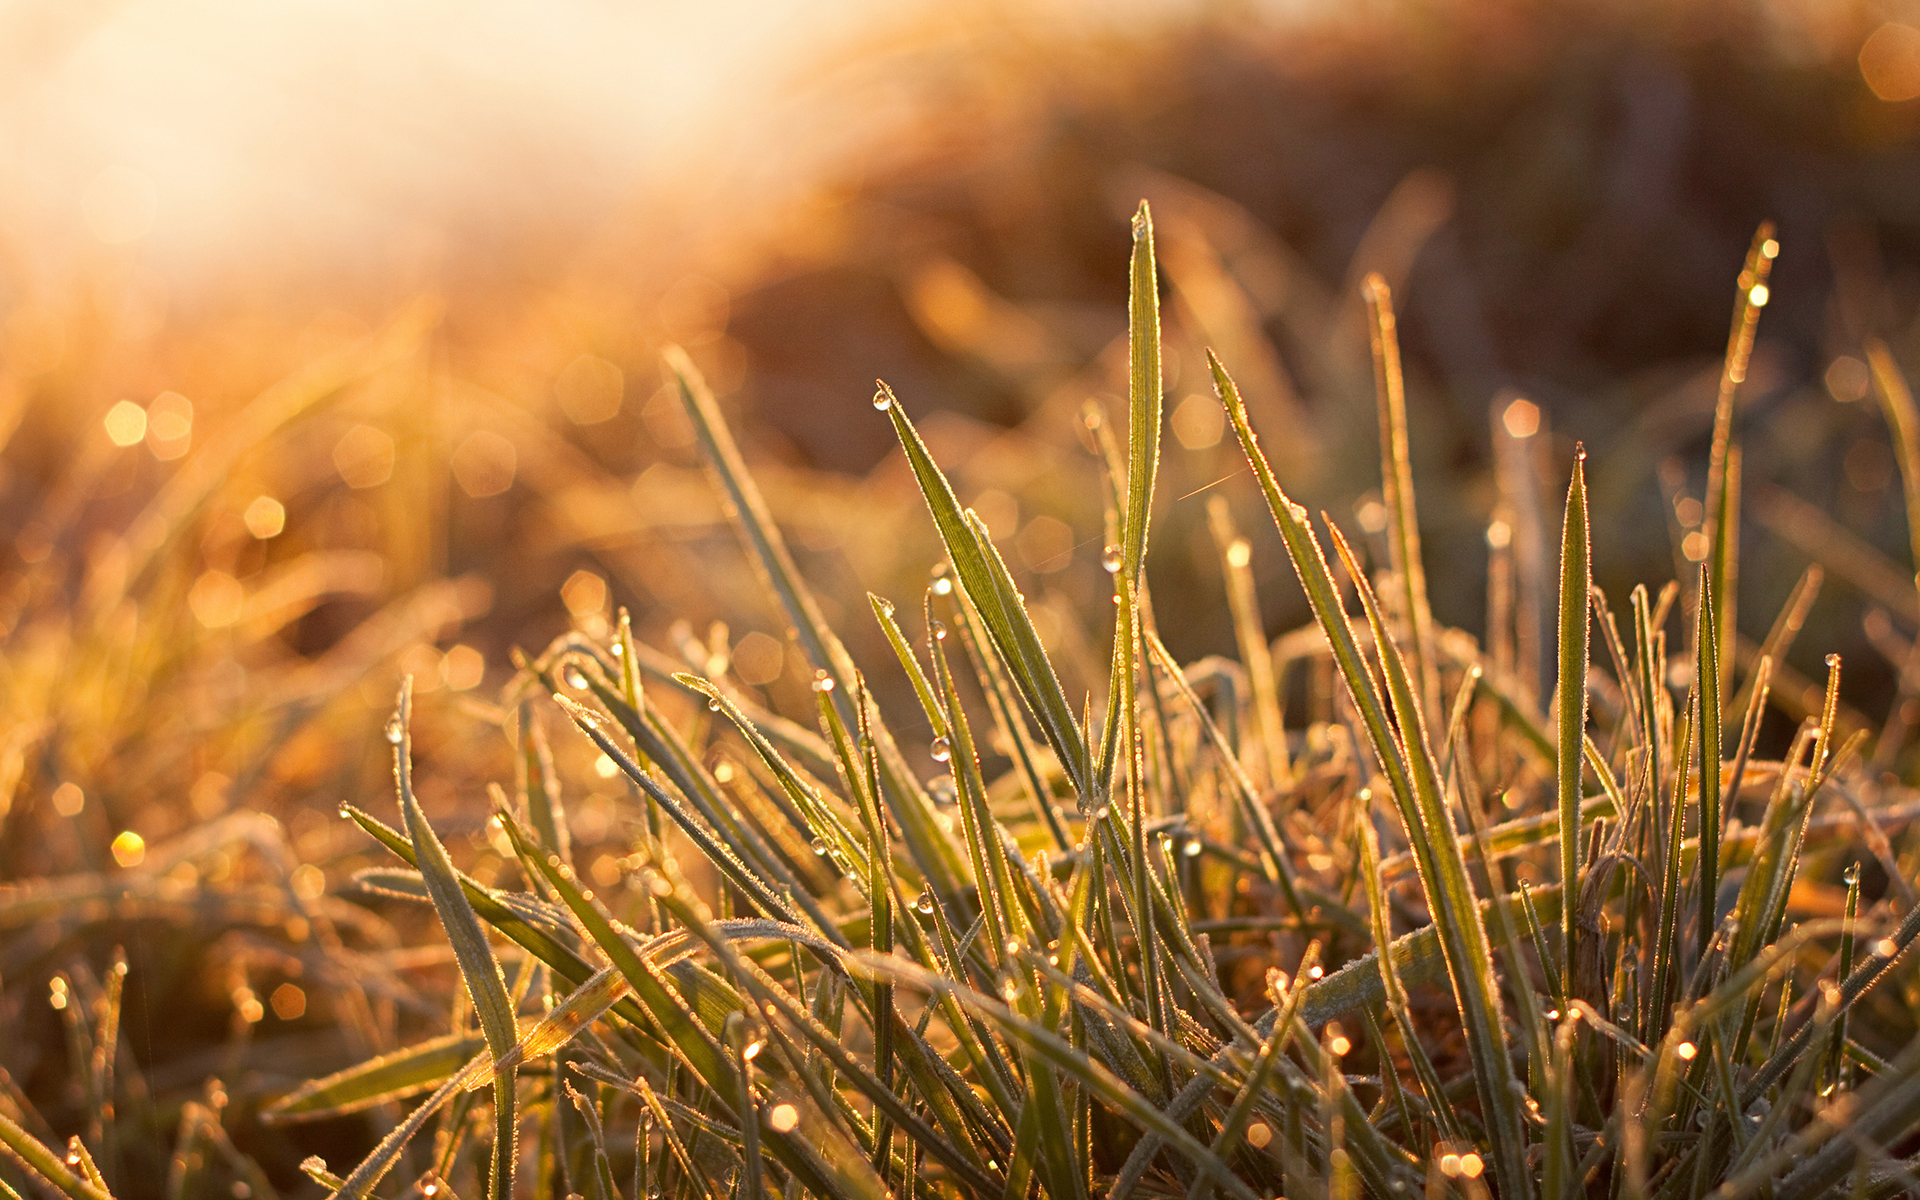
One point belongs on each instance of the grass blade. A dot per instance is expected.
(1723, 465)
(1143, 393)
(479, 969)
(1576, 586)
(1396, 480)
(1429, 825)
(1708, 675)
(984, 576)
(377, 1081)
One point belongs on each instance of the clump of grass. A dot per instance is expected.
(1430, 941)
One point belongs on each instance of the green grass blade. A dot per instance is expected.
(33, 1154)
(1143, 393)
(1273, 854)
(377, 1081)
(1443, 871)
(964, 1162)
(1429, 824)
(479, 969)
(1002, 610)
(1576, 584)
(717, 851)
(539, 786)
(1265, 1063)
(1236, 555)
(1396, 480)
(1090, 1073)
(1395, 991)
(753, 521)
(1708, 676)
(1723, 465)
(1005, 707)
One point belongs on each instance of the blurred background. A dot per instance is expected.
(329, 340)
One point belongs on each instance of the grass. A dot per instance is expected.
(998, 940)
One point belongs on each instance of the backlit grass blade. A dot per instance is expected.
(34, 1155)
(1273, 854)
(1707, 672)
(1236, 555)
(717, 851)
(377, 1081)
(753, 520)
(1429, 824)
(1443, 871)
(373, 1168)
(1265, 1065)
(1072, 1062)
(768, 995)
(479, 969)
(1576, 584)
(1723, 469)
(1005, 707)
(1396, 482)
(1143, 393)
(1002, 609)
(1395, 991)
(540, 786)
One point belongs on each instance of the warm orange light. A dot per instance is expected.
(1890, 62)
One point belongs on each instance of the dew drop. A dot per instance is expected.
(925, 903)
(882, 400)
(1191, 849)
(1141, 225)
(1101, 813)
(822, 682)
(941, 749)
(1110, 559)
(395, 731)
(939, 631)
(942, 586)
(713, 706)
(819, 847)
(618, 650)
(576, 679)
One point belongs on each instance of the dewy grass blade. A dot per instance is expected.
(1576, 584)
(1443, 870)
(377, 1081)
(1396, 480)
(1462, 933)
(1896, 403)
(1089, 1072)
(1005, 707)
(989, 586)
(34, 1154)
(753, 520)
(1273, 854)
(1236, 556)
(1143, 393)
(1395, 991)
(479, 969)
(1723, 468)
(539, 787)
(1708, 676)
